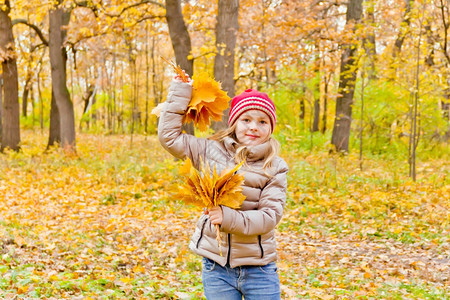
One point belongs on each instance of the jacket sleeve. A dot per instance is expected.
(170, 136)
(268, 214)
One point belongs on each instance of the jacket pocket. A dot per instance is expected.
(260, 246)
(201, 232)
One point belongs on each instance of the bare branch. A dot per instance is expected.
(38, 31)
(38, 46)
(85, 4)
(135, 5)
(149, 18)
(74, 43)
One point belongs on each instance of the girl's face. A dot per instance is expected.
(253, 128)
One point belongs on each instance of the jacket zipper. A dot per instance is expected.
(229, 248)
(260, 246)
(201, 232)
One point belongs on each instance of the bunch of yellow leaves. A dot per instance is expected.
(208, 100)
(209, 189)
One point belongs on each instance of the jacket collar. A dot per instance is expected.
(255, 153)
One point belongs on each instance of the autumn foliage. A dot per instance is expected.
(206, 188)
(102, 224)
(208, 100)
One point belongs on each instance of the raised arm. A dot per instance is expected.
(170, 135)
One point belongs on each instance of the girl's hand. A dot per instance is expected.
(215, 215)
(178, 77)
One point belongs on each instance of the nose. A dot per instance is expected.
(253, 126)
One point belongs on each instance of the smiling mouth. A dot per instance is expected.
(252, 136)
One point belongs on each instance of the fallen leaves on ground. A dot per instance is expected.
(102, 225)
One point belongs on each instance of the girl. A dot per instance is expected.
(247, 266)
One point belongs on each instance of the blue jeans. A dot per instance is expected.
(250, 282)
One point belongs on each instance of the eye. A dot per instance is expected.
(246, 120)
(263, 122)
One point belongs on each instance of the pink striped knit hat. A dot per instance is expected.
(252, 99)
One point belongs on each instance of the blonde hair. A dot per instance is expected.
(242, 151)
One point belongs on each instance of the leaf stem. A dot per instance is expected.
(218, 238)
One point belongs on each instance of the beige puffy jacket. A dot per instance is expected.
(248, 233)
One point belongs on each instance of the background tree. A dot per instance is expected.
(289, 49)
(62, 110)
(347, 80)
(443, 8)
(181, 42)
(226, 30)
(10, 109)
(1, 102)
(404, 28)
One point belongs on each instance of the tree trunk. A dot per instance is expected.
(54, 136)
(11, 108)
(114, 88)
(155, 91)
(1, 104)
(38, 83)
(26, 92)
(86, 99)
(226, 30)
(361, 121)
(33, 105)
(315, 126)
(429, 58)
(302, 114)
(147, 80)
(446, 112)
(445, 100)
(370, 42)
(316, 96)
(401, 35)
(347, 79)
(181, 42)
(58, 58)
(325, 102)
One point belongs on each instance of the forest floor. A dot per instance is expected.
(102, 225)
